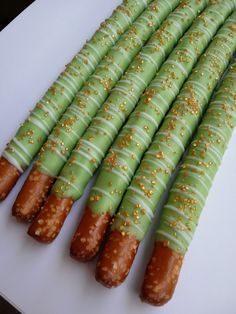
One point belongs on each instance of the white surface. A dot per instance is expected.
(43, 279)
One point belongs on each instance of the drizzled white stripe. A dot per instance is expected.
(94, 61)
(142, 25)
(127, 18)
(102, 130)
(91, 153)
(171, 238)
(223, 42)
(198, 169)
(21, 146)
(108, 35)
(66, 89)
(155, 46)
(123, 52)
(86, 156)
(16, 151)
(49, 111)
(69, 80)
(139, 79)
(133, 189)
(97, 92)
(162, 99)
(173, 84)
(214, 106)
(12, 160)
(160, 85)
(83, 167)
(113, 72)
(138, 129)
(125, 152)
(79, 116)
(93, 146)
(148, 117)
(38, 124)
(126, 92)
(169, 4)
(95, 50)
(175, 139)
(227, 4)
(149, 152)
(117, 23)
(113, 110)
(131, 223)
(216, 130)
(106, 122)
(195, 191)
(148, 58)
(201, 88)
(158, 106)
(205, 31)
(185, 234)
(95, 101)
(199, 179)
(111, 29)
(182, 121)
(64, 179)
(122, 175)
(177, 25)
(81, 77)
(104, 192)
(156, 164)
(83, 58)
(209, 151)
(190, 9)
(136, 199)
(176, 210)
(156, 142)
(173, 62)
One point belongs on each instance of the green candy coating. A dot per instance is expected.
(169, 143)
(79, 114)
(131, 143)
(34, 131)
(187, 197)
(93, 145)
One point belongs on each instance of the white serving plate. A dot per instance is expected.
(43, 279)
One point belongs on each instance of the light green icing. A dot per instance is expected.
(169, 143)
(106, 124)
(33, 132)
(188, 195)
(131, 143)
(79, 114)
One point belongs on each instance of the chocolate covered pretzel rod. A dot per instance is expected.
(147, 186)
(136, 136)
(77, 117)
(98, 137)
(34, 131)
(189, 192)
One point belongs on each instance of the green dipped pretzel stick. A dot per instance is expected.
(186, 200)
(149, 182)
(79, 114)
(95, 142)
(98, 137)
(136, 136)
(34, 131)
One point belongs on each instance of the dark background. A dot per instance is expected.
(9, 9)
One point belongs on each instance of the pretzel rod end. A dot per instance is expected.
(9, 175)
(161, 275)
(32, 195)
(89, 235)
(49, 221)
(116, 259)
